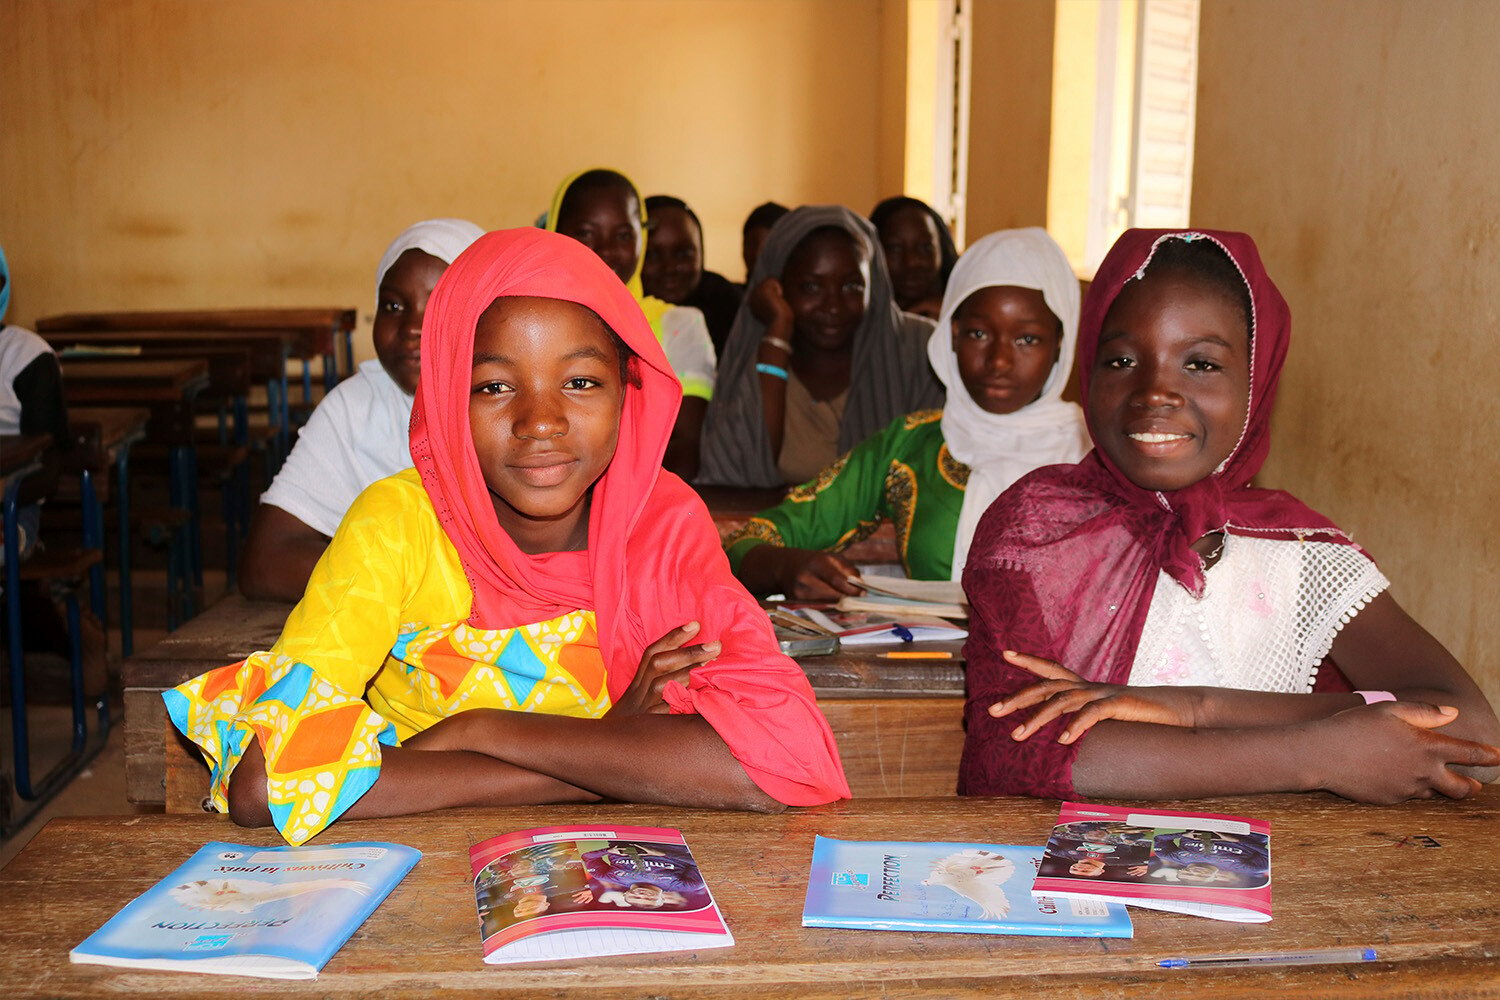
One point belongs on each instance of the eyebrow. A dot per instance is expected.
(1211, 338)
(487, 358)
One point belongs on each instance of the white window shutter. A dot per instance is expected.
(1166, 93)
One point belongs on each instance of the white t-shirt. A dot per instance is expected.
(19, 347)
(1269, 613)
(689, 350)
(357, 434)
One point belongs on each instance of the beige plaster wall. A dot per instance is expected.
(1357, 140)
(1009, 114)
(181, 153)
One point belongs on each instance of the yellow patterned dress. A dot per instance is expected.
(376, 651)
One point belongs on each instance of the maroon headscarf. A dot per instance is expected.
(1065, 562)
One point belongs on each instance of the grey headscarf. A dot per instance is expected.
(890, 374)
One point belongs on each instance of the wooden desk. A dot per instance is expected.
(268, 351)
(144, 381)
(899, 723)
(230, 630)
(1340, 880)
(18, 451)
(318, 329)
(112, 431)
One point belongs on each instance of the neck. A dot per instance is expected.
(535, 536)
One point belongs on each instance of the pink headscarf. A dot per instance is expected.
(653, 560)
(1064, 564)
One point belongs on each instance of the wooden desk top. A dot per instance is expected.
(236, 627)
(1341, 879)
(116, 425)
(143, 380)
(17, 451)
(267, 350)
(330, 317)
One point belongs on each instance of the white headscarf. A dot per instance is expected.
(1001, 448)
(445, 239)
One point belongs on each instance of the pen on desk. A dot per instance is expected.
(1313, 956)
(934, 654)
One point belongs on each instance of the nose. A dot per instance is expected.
(411, 323)
(539, 416)
(1001, 357)
(1155, 388)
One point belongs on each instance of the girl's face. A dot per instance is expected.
(544, 410)
(1007, 342)
(607, 220)
(824, 282)
(399, 307)
(674, 256)
(1170, 387)
(910, 241)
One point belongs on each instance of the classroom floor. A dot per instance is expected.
(99, 789)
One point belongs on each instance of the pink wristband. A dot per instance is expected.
(1371, 697)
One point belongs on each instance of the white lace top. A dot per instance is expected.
(1269, 614)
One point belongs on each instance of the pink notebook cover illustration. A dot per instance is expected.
(1206, 864)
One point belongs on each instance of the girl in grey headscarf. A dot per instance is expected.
(820, 357)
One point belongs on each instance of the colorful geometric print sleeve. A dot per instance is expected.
(302, 699)
(321, 743)
(840, 507)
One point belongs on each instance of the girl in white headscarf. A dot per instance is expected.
(1003, 347)
(358, 432)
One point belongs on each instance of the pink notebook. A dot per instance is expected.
(567, 892)
(1205, 864)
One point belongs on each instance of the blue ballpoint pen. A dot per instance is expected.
(1313, 956)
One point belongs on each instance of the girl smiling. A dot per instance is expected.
(516, 610)
(1003, 347)
(1175, 631)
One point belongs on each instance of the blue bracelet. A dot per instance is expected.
(766, 369)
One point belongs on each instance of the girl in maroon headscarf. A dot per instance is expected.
(1175, 631)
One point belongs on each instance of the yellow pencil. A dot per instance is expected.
(936, 654)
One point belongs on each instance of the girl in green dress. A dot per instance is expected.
(1005, 337)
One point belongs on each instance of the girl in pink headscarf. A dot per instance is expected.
(537, 612)
(1175, 631)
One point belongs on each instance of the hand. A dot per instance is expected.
(1061, 691)
(768, 304)
(1388, 752)
(667, 659)
(1136, 870)
(814, 575)
(583, 896)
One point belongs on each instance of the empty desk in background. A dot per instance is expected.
(113, 430)
(319, 330)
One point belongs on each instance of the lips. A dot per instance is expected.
(544, 469)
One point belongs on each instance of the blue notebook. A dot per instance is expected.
(235, 909)
(958, 888)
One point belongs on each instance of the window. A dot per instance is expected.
(1125, 76)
